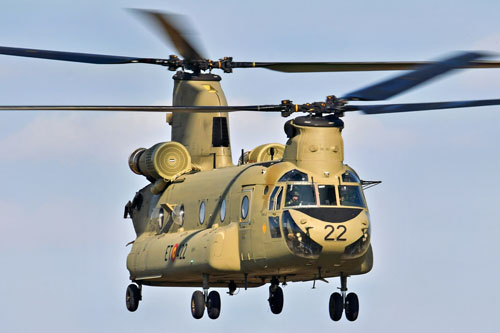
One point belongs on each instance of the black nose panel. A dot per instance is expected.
(333, 215)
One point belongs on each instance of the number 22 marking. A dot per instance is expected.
(330, 237)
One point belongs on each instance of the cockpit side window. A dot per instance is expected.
(351, 195)
(278, 199)
(294, 176)
(275, 202)
(327, 195)
(350, 177)
(271, 198)
(300, 195)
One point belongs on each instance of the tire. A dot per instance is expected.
(132, 297)
(276, 299)
(213, 305)
(336, 306)
(351, 307)
(197, 304)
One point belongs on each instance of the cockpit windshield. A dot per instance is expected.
(350, 195)
(300, 195)
(298, 192)
(327, 195)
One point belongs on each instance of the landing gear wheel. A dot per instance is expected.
(336, 306)
(276, 299)
(197, 304)
(213, 305)
(351, 306)
(132, 297)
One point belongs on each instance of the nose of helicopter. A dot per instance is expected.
(341, 231)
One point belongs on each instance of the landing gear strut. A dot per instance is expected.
(132, 297)
(339, 303)
(200, 300)
(275, 296)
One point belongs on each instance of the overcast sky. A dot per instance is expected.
(64, 176)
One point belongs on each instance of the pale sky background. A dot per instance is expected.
(64, 176)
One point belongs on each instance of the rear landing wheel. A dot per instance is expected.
(197, 304)
(132, 297)
(213, 305)
(351, 306)
(336, 306)
(275, 299)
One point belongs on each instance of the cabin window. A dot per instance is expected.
(300, 195)
(350, 177)
(158, 217)
(274, 226)
(244, 207)
(202, 212)
(178, 215)
(161, 218)
(293, 175)
(223, 210)
(351, 195)
(327, 195)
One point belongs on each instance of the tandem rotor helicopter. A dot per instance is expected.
(285, 213)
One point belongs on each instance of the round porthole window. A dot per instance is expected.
(223, 210)
(202, 212)
(244, 207)
(178, 215)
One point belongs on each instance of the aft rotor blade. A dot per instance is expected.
(77, 57)
(139, 108)
(389, 88)
(310, 67)
(172, 26)
(394, 108)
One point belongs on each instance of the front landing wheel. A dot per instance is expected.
(132, 297)
(336, 306)
(213, 305)
(197, 304)
(276, 299)
(351, 306)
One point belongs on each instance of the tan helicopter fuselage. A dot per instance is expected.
(296, 214)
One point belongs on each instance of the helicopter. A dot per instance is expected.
(283, 215)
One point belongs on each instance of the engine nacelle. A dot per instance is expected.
(264, 153)
(165, 160)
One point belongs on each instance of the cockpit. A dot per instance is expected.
(300, 192)
(296, 190)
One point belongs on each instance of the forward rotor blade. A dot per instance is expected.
(172, 26)
(394, 108)
(386, 89)
(76, 57)
(310, 67)
(139, 108)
